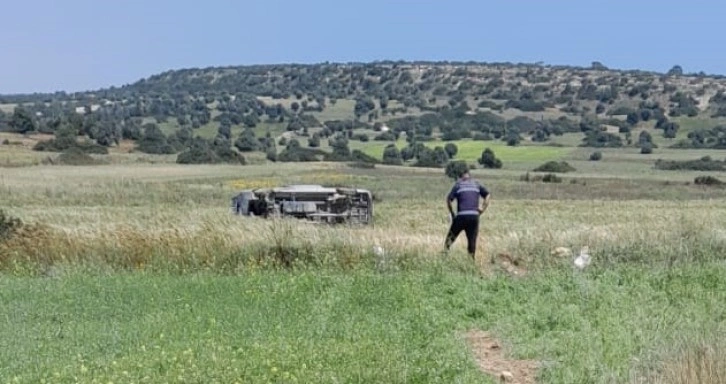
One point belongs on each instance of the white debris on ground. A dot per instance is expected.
(583, 259)
(383, 261)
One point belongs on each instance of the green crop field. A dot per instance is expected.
(136, 271)
(471, 150)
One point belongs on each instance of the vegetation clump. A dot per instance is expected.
(707, 180)
(489, 160)
(9, 225)
(705, 163)
(556, 167)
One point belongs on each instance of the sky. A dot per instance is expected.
(79, 45)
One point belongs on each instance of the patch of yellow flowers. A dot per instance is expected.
(312, 178)
(252, 183)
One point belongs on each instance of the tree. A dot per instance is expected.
(247, 141)
(676, 70)
(197, 153)
(646, 148)
(153, 141)
(670, 129)
(451, 149)
(598, 66)
(455, 168)
(314, 140)
(645, 138)
(201, 152)
(433, 158)
(489, 160)
(271, 154)
(225, 130)
(340, 147)
(632, 118)
(363, 106)
(22, 121)
(3, 121)
(391, 155)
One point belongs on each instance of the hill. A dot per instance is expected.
(286, 112)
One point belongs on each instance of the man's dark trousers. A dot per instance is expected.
(470, 225)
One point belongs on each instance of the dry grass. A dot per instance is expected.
(166, 214)
(171, 219)
(702, 362)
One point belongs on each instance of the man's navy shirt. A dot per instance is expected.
(467, 192)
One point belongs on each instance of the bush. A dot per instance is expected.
(548, 178)
(361, 157)
(707, 180)
(385, 136)
(9, 225)
(554, 166)
(489, 160)
(551, 178)
(454, 169)
(76, 156)
(703, 164)
(596, 156)
(201, 152)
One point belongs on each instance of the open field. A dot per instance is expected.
(137, 272)
(471, 150)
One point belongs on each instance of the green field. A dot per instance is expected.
(135, 271)
(471, 150)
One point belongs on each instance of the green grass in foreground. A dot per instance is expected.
(359, 327)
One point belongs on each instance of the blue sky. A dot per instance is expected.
(74, 45)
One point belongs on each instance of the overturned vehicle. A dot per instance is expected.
(319, 204)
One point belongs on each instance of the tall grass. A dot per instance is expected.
(690, 361)
(201, 238)
(129, 254)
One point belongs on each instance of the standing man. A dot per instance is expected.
(466, 191)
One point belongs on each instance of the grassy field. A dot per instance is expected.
(471, 150)
(137, 272)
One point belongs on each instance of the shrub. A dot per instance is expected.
(707, 180)
(454, 169)
(703, 164)
(201, 152)
(9, 225)
(76, 156)
(548, 178)
(362, 157)
(554, 166)
(385, 136)
(596, 156)
(551, 178)
(489, 159)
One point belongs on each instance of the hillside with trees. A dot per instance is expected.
(313, 112)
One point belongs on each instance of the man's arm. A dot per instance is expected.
(485, 202)
(449, 199)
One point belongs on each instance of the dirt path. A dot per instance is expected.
(492, 360)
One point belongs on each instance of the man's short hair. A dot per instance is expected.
(463, 171)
